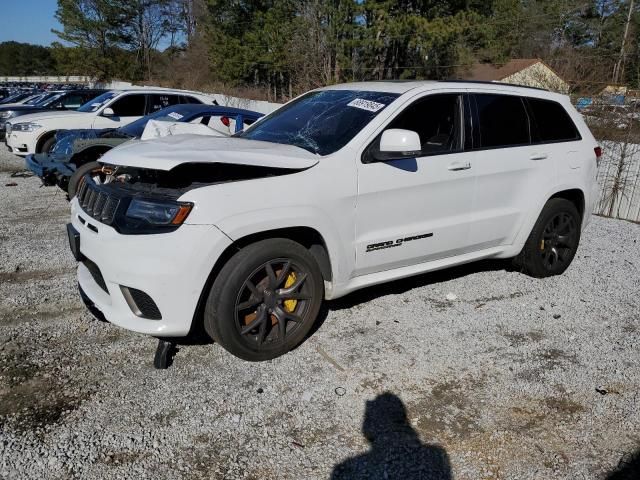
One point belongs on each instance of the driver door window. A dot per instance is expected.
(129, 106)
(72, 102)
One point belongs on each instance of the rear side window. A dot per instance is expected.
(188, 99)
(158, 102)
(129, 106)
(550, 122)
(503, 121)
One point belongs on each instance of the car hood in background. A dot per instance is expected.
(52, 114)
(168, 152)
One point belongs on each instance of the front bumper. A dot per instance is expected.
(21, 143)
(50, 171)
(171, 268)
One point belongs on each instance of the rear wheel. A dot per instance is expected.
(554, 240)
(94, 168)
(264, 300)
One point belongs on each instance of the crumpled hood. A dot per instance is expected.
(168, 152)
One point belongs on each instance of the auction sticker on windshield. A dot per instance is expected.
(366, 105)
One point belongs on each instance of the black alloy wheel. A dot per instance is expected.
(553, 241)
(273, 302)
(265, 299)
(559, 241)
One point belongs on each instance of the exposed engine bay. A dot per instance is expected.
(181, 179)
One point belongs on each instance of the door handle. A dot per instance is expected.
(456, 166)
(538, 156)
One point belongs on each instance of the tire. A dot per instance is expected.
(80, 172)
(48, 144)
(553, 241)
(246, 305)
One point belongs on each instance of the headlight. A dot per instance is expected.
(25, 127)
(156, 212)
(7, 114)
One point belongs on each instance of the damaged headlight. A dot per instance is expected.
(157, 212)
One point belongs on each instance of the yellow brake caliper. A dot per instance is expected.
(290, 305)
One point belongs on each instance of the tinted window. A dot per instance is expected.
(95, 103)
(321, 122)
(187, 99)
(72, 101)
(502, 121)
(436, 118)
(158, 102)
(551, 122)
(129, 106)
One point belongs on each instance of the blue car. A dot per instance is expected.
(76, 151)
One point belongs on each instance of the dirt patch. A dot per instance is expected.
(24, 276)
(554, 357)
(519, 339)
(14, 316)
(449, 409)
(32, 396)
(563, 406)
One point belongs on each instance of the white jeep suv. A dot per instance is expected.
(344, 187)
(35, 133)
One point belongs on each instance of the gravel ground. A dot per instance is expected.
(473, 373)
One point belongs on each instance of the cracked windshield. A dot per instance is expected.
(321, 122)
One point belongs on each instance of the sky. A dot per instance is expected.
(28, 21)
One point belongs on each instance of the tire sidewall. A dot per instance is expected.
(219, 318)
(80, 172)
(533, 259)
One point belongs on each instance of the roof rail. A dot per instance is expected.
(487, 82)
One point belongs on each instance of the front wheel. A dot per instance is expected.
(264, 300)
(553, 241)
(93, 168)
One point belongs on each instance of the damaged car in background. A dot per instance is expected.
(342, 188)
(76, 151)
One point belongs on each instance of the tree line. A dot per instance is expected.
(283, 47)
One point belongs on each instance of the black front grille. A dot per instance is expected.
(96, 202)
(95, 273)
(145, 304)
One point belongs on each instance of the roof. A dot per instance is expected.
(403, 86)
(389, 86)
(488, 72)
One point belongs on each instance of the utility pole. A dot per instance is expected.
(618, 71)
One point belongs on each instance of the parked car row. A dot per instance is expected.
(344, 187)
(76, 152)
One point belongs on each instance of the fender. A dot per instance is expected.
(320, 198)
(534, 213)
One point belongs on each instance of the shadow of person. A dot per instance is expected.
(629, 468)
(396, 451)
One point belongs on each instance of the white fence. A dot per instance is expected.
(619, 181)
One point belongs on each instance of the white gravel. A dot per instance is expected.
(498, 374)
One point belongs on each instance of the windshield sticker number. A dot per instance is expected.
(368, 105)
(175, 115)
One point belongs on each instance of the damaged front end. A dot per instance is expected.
(137, 201)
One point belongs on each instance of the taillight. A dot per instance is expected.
(598, 152)
(225, 121)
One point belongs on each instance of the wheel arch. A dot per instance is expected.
(575, 196)
(89, 154)
(308, 237)
(43, 138)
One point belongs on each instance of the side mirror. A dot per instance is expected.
(108, 112)
(398, 144)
